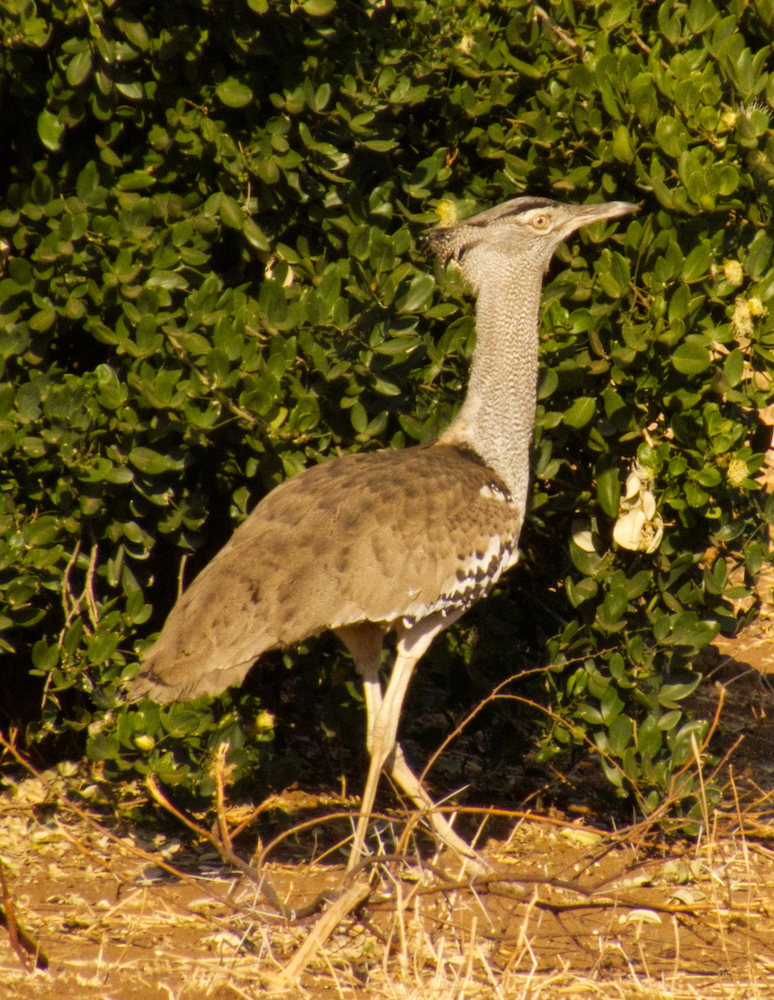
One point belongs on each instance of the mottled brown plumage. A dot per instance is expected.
(334, 547)
(401, 541)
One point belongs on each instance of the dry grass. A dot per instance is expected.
(109, 911)
(570, 912)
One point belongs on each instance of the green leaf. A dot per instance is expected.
(103, 746)
(166, 279)
(584, 590)
(183, 721)
(42, 531)
(233, 93)
(697, 263)
(231, 212)
(45, 657)
(610, 705)
(609, 615)
(622, 145)
(670, 695)
(609, 490)
(649, 737)
(587, 562)
(691, 358)
(359, 242)
(418, 295)
(136, 33)
(695, 496)
(616, 15)
(319, 8)
(671, 135)
(644, 97)
(152, 463)
(380, 145)
(254, 234)
(79, 68)
(133, 90)
(21, 271)
(548, 384)
(50, 130)
(102, 645)
(709, 476)
(358, 417)
(304, 416)
(385, 388)
(88, 187)
(589, 714)
(669, 720)
(688, 630)
(580, 412)
(619, 734)
(733, 367)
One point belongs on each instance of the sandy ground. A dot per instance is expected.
(119, 913)
(567, 906)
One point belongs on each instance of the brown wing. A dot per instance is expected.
(372, 537)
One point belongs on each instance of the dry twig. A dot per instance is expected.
(21, 942)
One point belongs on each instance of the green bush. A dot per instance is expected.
(213, 279)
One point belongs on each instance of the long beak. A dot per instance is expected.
(605, 210)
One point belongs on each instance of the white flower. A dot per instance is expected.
(628, 529)
(631, 495)
(639, 527)
(583, 536)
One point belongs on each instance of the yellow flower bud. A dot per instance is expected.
(737, 472)
(144, 742)
(733, 272)
(756, 307)
(447, 212)
(741, 321)
(264, 720)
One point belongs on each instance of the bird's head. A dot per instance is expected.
(524, 232)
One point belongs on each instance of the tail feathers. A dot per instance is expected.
(163, 686)
(148, 685)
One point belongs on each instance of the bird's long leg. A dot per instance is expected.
(383, 711)
(411, 785)
(364, 641)
(383, 727)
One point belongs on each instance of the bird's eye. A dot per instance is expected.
(540, 222)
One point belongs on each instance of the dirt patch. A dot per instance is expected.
(568, 910)
(753, 649)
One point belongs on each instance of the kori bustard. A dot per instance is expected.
(390, 541)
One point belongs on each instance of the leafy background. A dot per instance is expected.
(213, 277)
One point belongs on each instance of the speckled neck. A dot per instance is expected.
(498, 416)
